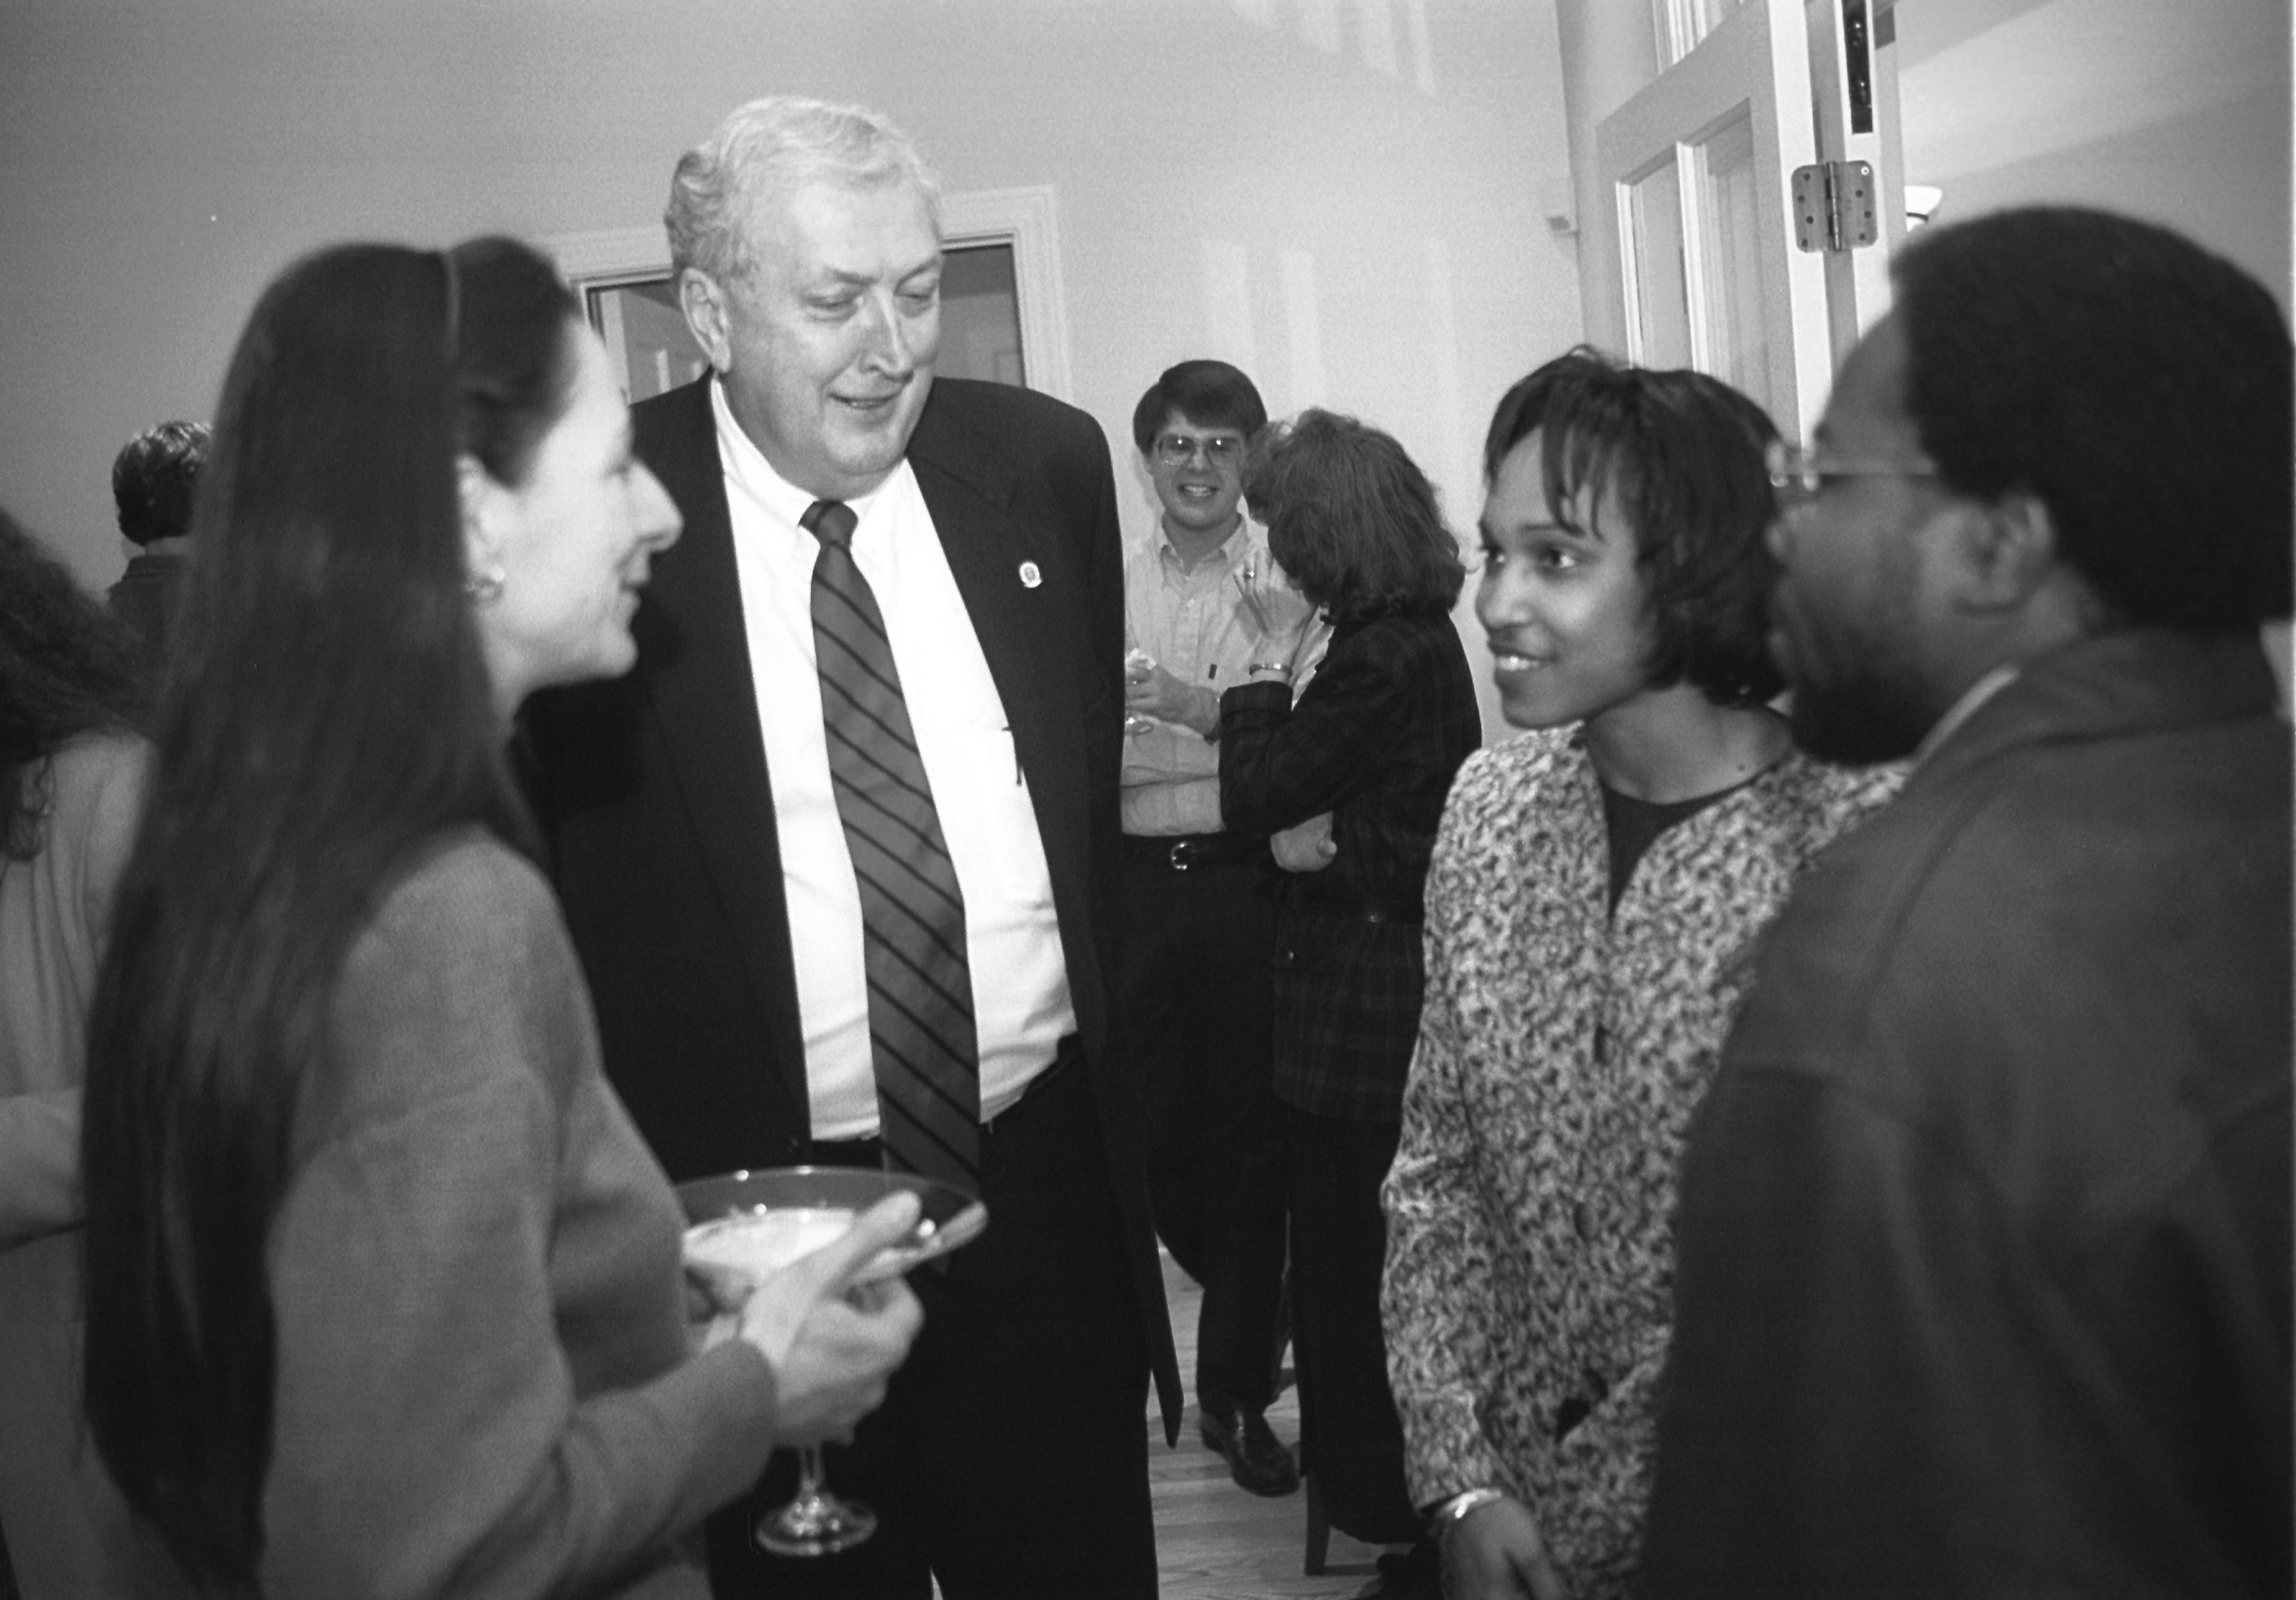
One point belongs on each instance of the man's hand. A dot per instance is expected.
(832, 1352)
(1497, 1553)
(1306, 846)
(1151, 691)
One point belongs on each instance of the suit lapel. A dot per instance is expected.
(704, 699)
(1025, 630)
(692, 635)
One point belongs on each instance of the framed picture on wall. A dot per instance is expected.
(1002, 316)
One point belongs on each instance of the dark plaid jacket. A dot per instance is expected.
(1374, 741)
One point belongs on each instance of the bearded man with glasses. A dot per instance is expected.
(1203, 605)
(1983, 1250)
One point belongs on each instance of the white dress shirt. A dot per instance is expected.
(1020, 1001)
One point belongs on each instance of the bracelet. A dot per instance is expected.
(1456, 1510)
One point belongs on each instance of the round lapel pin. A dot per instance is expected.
(1030, 575)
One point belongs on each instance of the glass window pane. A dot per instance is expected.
(1683, 23)
(1731, 294)
(1659, 293)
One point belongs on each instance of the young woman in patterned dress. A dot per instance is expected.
(1593, 893)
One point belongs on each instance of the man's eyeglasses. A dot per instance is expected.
(1798, 475)
(1219, 449)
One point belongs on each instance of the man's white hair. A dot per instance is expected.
(781, 141)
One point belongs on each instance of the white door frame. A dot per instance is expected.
(1628, 115)
(1756, 59)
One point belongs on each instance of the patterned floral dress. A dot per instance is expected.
(1562, 1049)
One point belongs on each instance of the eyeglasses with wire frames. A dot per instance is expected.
(1799, 475)
(1179, 449)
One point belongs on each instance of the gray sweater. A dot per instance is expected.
(484, 1386)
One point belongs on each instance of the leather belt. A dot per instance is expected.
(1188, 852)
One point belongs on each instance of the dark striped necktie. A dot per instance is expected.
(920, 994)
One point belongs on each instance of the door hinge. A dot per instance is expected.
(1834, 206)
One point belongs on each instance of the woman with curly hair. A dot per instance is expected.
(1373, 741)
(71, 777)
(1593, 894)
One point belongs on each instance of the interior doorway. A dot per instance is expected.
(1717, 122)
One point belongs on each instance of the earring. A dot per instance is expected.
(485, 588)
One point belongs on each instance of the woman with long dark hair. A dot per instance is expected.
(1374, 741)
(71, 774)
(1592, 896)
(384, 1290)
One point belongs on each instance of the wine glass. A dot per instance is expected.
(749, 1225)
(1136, 661)
(815, 1522)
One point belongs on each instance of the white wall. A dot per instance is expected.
(2175, 110)
(1340, 195)
(2178, 113)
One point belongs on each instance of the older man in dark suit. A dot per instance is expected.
(839, 855)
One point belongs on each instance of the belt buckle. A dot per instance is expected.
(1181, 850)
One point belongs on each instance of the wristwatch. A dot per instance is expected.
(1456, 1510)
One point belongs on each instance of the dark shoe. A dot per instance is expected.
(1255, 1460)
